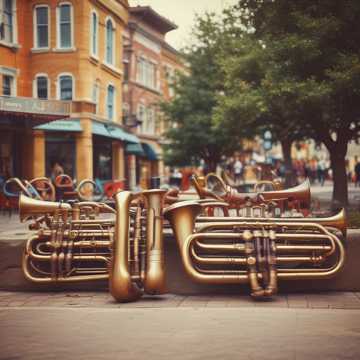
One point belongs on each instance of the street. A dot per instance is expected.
(200, 328)
(90, 325)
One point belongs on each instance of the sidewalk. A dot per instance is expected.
(325, 300)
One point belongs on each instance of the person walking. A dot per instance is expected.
(238, 169)
(322, 171)
(357, 172)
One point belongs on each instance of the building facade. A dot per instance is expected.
(149, 67)
(68, 52)
(80, 84)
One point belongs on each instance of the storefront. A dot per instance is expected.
(60, 145)
(21, 147)
(85, 148)
(143, 162)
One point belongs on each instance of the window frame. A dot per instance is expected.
(147, 72)
(14, 26)
(96, 85)
(58, 26)
(58, 89)
(113, 104)
(35, 27)
(109, 19)
(35, 87)
(93, 53)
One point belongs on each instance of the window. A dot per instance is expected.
(110, 102)
(170, 75)
(41, 21)
(7, 33)
(146, 73)
(94, 33)
(65, 26)
(109, 42)
(62, 150)
(147, 118)
(65, 87)
(141, 115)
(8, 83)
(42, 87)
(126, 70)
(150, 126)
(102, 158)
(95, 95)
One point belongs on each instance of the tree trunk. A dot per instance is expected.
(290, 175)
(338, 167)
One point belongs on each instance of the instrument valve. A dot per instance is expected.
(251, 260)
(249, 248)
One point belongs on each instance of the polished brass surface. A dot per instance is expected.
(149, 262)
(258, 251)
(74, 245)
(296, 199)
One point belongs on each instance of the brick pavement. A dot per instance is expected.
(326, 300)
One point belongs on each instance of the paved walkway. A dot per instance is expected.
(181, 333)
(326, 300)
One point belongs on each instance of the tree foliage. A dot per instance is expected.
(191, 131)
(296, 70)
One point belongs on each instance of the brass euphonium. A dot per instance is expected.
(258, 251)
(73, 245)
(148, 270)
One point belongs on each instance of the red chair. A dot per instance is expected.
(111, 188)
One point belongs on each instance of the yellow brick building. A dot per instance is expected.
(63, 53)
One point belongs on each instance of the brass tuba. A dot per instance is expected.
(297, 198)
(258, 251)
(74, 245)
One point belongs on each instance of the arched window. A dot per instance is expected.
(41, 26)
(94, 33)
(110, 102)
(41, 87)
(110, 38)
(65, 87)
(65, 26)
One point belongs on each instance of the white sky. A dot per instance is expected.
(182, 13)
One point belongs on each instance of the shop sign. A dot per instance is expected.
(35, 106)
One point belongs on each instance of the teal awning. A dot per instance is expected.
(149, 152)
(99, 129)
(61, 125)
(134, 149)
(113, 132)
(118, 133)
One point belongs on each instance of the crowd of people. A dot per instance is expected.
(245, 169)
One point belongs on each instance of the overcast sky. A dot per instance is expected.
(182, 13)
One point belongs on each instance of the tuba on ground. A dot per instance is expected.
(257, 251)
(74, 244)
(278, 202)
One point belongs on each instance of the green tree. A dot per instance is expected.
(191, 131)
(309, 81)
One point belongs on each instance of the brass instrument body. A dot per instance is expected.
(258, 251)
(296, 199)
(122, 286)
(73, 245)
